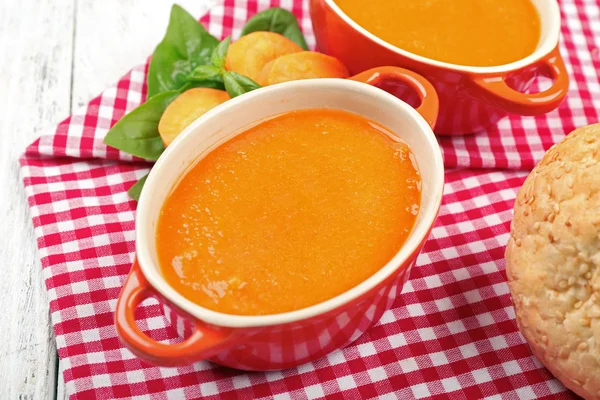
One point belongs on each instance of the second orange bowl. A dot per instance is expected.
(471, 98)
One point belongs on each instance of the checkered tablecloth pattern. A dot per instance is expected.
(452, 330)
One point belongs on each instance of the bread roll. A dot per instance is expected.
(553, 261)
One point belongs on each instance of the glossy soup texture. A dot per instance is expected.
(289, 213)
(464, 32)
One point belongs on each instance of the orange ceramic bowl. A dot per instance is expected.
(288, 339)
(471, 98)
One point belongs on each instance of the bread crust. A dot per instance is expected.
(553, 261)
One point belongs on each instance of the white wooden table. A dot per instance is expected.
(54, 56)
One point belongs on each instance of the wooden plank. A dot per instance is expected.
(61, 393)
(111, 36)
(36, 47)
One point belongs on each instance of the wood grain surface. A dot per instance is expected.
(55, 56)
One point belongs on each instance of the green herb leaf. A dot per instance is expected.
(279, 21)
(215, 82)
(246, 83)
(237, 84)
(137, 132)
(204, 72)
(220, 53)
(233, 88)
(136, 190)
(185, 46)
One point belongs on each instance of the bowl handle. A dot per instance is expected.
(496, 91)
(201, 344)
(424, 89)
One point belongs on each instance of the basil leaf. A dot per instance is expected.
(246, 83)
(136, 190)
(216, 82)
(185, 46)
(137, 132)
(220, 53)
(237, 84)
(204, 72)
(279, 21)
(233, 88)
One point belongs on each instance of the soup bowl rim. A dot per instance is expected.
(411, 246)
(550, 42)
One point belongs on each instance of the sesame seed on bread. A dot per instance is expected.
(553, 261)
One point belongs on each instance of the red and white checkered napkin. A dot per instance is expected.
(452, 331)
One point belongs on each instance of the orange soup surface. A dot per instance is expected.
(465, 32)
(289, 213)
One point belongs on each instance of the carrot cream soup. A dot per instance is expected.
(289, 213)
(464, 32)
